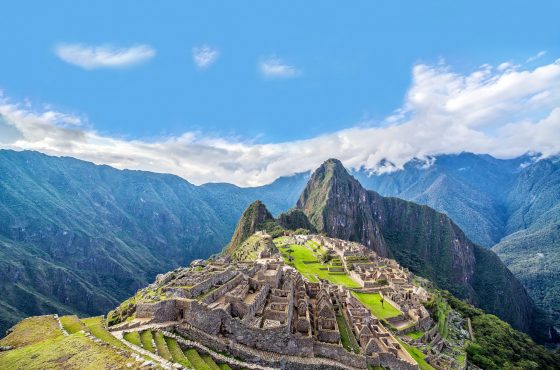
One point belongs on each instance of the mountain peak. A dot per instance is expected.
(248, 224)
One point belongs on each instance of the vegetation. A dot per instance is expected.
(41, 345)
(306, 262)
(177, 352)
(72, 324)
(373, 302)
(196, 361)
(147, 340)
(32, 330)
(346, 336)
(417, 355)
(416, 334)
(498, 346)
(210, 362)
(133, 337)
(97, 327)
(161, 345)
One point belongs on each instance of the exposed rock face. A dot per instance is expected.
(248, 224)
(418, 237)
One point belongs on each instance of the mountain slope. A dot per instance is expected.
(532, 247)
(79, 238)
(513, 204)
(418, 237)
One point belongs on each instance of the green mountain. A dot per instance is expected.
(418, 237)
(80, 238)
(511, 205)
(253, 218)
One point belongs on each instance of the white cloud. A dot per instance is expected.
(504, 113)
(103, 56)
(539, 55)
(273, 67)
(204, 56)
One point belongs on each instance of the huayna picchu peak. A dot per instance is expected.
(420, 238)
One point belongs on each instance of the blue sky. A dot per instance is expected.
(277, 72)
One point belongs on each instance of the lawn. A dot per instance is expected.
(72, 324)
(347, 338)
(306, 263)
(373, 302)
(415, 334)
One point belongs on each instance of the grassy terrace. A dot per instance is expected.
(72, 324)
(306, 262)
(41, 345)
(346, 336)
(373, 302)
(417, 355)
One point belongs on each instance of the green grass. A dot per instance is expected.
(415, 334)
(73, 351)
(210, 362)
(72, 324)
(134, 338)
(196, 361)
(373, 302)
(346, 336)
(32, 330)
(312, 269)
(146, 339)
(177, 352)
(162, 349)
(224, 367)
(416, 355)
(97, 327)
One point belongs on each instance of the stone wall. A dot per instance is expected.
(339, 354)
(160, 311)
(270, 339)
(222, 290)
(216, 279)
(390, 361)
(199, 316)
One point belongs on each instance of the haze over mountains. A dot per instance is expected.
(81, 238)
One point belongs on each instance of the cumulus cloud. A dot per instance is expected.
(273, 67)
(505, 112)
(204, 56)
(104, 56)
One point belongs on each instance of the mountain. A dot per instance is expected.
(418, 237)
(532, 247)
(79, 238)
(511, 205)
(254, 216)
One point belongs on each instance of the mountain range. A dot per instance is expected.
(78, 237)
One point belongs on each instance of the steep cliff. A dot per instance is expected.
(418, 237)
